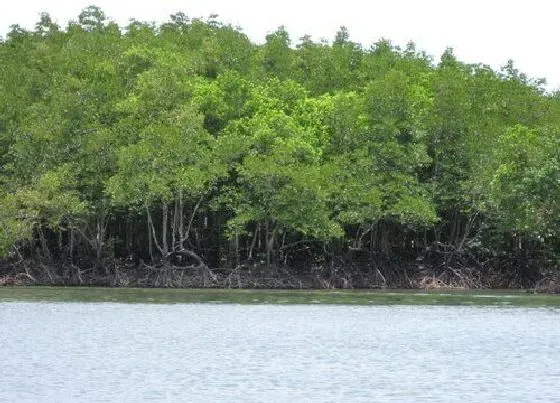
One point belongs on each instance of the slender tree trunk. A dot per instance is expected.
(255, 237)
(181, 221)
(150, 243)
(99, 241)
(237, 259)
(44, 246)
(71, 246)
(267, 246)
(186, 234)
(152, 232)
(164, 214)
(468, 228)
(127, 234)
(454, 229)
(270, 235)
(174, 225)
(384, 241)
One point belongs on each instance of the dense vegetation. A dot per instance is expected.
(185, 155)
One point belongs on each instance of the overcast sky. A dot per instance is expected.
(487, 31)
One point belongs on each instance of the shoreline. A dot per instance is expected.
(502, 297)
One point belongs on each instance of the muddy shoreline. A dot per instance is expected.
(163, 275)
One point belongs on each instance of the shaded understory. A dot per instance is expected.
(365, 274)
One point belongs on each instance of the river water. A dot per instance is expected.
(79, 352)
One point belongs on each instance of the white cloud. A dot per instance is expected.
(488, 31)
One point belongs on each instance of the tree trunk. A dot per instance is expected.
(165, 249)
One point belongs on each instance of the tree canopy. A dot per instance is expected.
(186, 145)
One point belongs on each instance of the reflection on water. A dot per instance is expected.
(53, 352)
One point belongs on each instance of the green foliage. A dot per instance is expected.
(16, 224)
(525, 181)
(50, 201)
(216, 137)
(278, 165)
(171, 157)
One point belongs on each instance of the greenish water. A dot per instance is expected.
(346, 297)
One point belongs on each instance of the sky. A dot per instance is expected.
(479, 31)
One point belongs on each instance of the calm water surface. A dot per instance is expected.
(76, 352)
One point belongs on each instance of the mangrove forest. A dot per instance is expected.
(183, 154)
